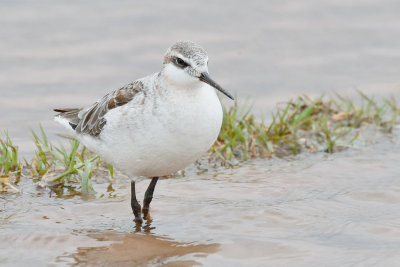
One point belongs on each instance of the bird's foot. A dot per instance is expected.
(138, 224)
(138, 220)
(146, 214)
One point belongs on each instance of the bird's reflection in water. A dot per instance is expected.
(144, 227)
(138, 248)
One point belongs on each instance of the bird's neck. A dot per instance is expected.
(172, 77)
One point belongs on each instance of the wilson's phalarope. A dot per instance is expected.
(156, 125)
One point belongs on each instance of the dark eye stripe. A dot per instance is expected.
(180, 63)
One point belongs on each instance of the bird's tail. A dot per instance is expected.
(68, 117)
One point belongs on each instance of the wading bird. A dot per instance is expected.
(155, 125)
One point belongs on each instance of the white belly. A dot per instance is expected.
(158, 139)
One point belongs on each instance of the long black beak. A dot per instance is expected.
(204, 77)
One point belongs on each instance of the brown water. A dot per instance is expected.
(310, 210)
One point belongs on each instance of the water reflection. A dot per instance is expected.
(135, 249)
(307, 211)
(144, 227)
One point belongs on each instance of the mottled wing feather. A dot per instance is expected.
(91, 120)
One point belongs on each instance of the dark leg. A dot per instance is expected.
(135, 204)
(148, 196)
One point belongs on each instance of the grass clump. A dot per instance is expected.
(59, 166)
(10, 167)
(302, 124)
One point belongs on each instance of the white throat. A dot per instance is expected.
(179, 78)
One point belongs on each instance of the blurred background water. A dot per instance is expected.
(69, 54)
(310, 210)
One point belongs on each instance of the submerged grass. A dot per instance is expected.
(304, 124)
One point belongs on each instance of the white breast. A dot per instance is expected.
(162, 136)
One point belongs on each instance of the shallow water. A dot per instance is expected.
(310, 210)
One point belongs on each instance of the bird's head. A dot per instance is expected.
(186, 65)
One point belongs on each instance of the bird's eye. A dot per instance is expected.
(180, 62)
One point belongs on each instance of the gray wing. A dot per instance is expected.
(91, 120)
